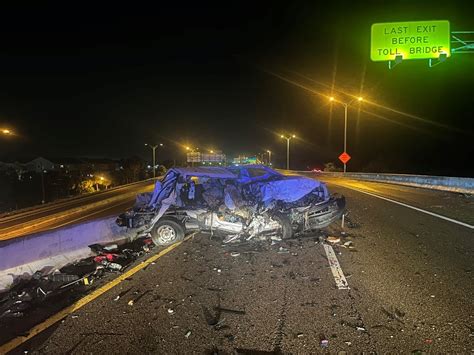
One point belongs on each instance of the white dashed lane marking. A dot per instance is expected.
(336, 270)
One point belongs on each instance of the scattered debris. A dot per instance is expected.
(45, 284)
(170, 310)
(333, 240)
(188, 334)
(234, 253)
(323, 342)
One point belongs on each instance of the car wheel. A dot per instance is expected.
(167, 232)
(285, 224)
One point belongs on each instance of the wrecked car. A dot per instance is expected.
(236, 203)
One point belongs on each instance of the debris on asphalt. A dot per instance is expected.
(227, 310)
(323, 342)
(170, 310)
(234, 253)
(188, 334)
(333, 240)
(26, 294)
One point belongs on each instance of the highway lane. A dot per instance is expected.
(72, 211)
(453, 205)
(410, 277)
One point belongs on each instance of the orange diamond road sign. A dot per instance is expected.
(344, 157)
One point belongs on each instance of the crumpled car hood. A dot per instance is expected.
(288, 189)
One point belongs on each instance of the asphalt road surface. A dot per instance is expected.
(410, 278)
(72, 211)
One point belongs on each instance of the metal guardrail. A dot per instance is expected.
(444, 183)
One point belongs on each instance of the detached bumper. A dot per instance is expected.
(323, 215)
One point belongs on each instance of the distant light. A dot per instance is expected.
(161, 144)
(6, 131)
(268, 151)
(293, 136)
(211, 151)
(331, 98)
(102, 178)
(62, 166)
(282, 136)
(149, 166)
(187, 148)
(360, 98)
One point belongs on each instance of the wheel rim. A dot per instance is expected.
(166, 234)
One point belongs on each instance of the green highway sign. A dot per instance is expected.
(411, 40)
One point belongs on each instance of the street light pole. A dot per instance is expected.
(269, 157)
(288, 149)
(346, 105)
(153, 147)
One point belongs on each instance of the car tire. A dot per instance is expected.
(167, 232)
(284, 222)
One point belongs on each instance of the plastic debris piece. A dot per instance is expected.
(117, 298)
(234, 253)
(86, 281)
(348, 244)
(324, 343)
(188, 334)
(333, 240)
(300, 335)
(282, 250)
(170, 311)
(59, 277)
(130, 303)
(361, 329)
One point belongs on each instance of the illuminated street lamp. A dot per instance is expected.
(191, 150)
(6, 132)
(346, 105)
(153, 147)
(288, 149)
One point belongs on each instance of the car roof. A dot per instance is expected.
(213, 172)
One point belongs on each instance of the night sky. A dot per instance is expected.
(102, 81)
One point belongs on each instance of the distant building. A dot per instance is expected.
(242, 159)
(40, 164)
(199, 157)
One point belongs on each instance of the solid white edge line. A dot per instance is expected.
(416, 209)
(336, 270)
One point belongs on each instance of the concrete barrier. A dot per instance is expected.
(444, 183)
(21, 257)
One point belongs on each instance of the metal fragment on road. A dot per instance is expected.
(336, 270)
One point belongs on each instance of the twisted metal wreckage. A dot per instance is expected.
(237, 203)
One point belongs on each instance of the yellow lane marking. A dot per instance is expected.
(12, 344)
